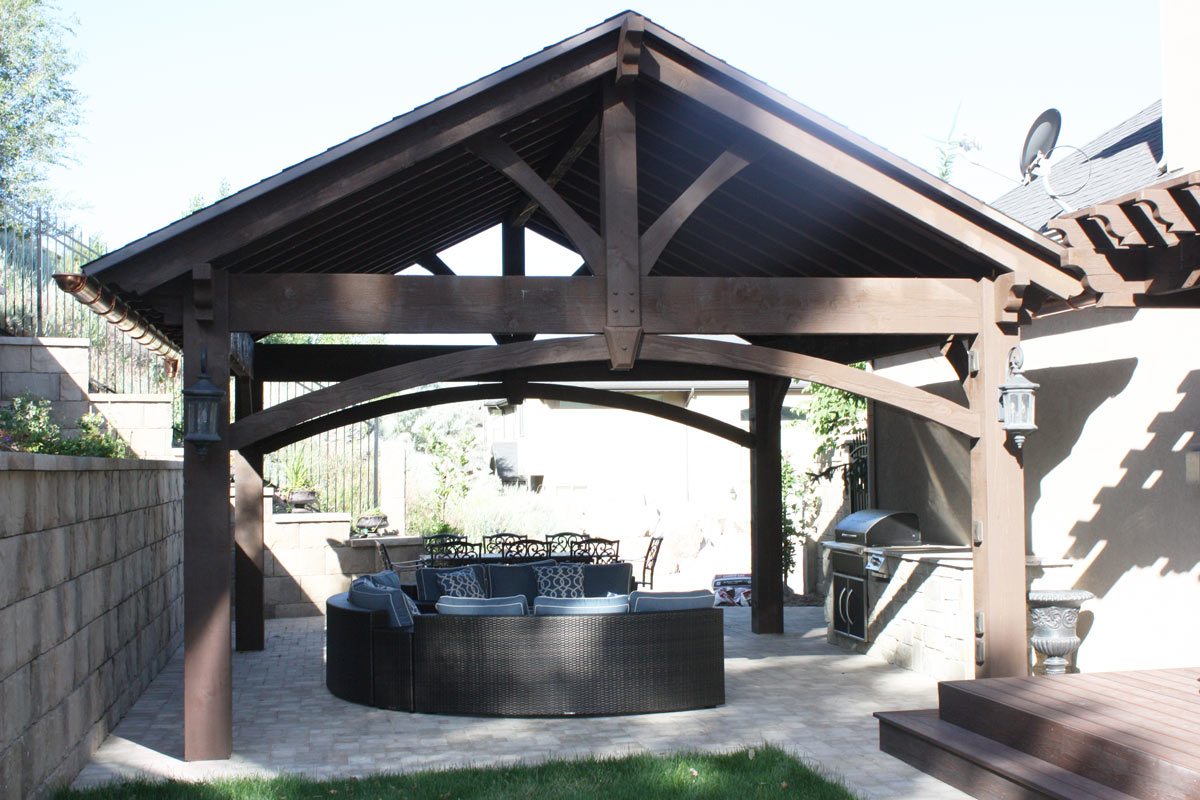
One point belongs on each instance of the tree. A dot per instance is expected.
(39, 107)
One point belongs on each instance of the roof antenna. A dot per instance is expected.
(1040, 144)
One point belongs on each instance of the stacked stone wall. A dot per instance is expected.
(91, 605)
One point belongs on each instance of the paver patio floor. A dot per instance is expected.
(794, 690)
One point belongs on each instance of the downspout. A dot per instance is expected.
(114, 310)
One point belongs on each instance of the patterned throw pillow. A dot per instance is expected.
(562, 580)
(460, 583)
(412, 604)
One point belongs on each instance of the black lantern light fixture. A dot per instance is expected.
(202, 409)
(1016, 400)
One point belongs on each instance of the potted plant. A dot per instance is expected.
(299, 489)
(371, 520)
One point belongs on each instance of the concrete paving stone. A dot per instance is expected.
(794, 690)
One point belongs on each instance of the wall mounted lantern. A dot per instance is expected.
(1016, 400)
(202, 409)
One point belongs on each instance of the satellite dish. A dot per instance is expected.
(1040, 140)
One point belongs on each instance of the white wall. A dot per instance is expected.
(624, 475)
(1118, 407)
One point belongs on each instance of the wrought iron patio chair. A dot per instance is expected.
(523, 550)
(649, 561)
(447, 548)
(563, 542)
(497, 541)
(598, 551)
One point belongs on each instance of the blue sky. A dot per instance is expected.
(184, 95)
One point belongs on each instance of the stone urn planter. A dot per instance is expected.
(1054, 614)
(301, 499)
(370, 523)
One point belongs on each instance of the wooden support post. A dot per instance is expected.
(512, 262)
(619, 225)
(248, 528)
(997, 507)
(766, 504)
(207, 543)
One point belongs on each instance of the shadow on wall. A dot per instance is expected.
(925, 468)
(1146, 520)
(1066, 399)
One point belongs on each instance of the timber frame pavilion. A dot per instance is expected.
(701, 203)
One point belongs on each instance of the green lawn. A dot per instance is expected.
(754, 773)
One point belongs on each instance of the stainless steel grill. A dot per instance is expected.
(857, 550)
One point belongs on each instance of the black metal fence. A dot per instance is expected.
(33, 246)
(342, 464)
(857, 473)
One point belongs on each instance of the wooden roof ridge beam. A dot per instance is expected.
(505, 160)
(660, 66)
(722, 169)
(525, 209)
(629, 47)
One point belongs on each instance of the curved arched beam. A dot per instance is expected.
(491, 360)
(498, 391)
(768, 361)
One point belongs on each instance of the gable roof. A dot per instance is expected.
(1118, 161)
(816, 199)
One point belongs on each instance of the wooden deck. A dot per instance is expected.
(1101, 736)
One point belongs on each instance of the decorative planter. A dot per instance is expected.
(371, 523)
(301, 498)
(1054, 614)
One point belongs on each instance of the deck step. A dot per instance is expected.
(1075, 727)
(981, 767)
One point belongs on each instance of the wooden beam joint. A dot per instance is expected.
(629, 48)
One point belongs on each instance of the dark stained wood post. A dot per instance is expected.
(207, 540)
(766, 504)
(997, 506)
(249, 631)
(619, 225)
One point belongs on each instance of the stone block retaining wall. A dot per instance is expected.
(91, 605)
(57, 369)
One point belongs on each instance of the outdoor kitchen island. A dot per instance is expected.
(918, 609)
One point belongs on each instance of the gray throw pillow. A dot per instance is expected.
(460, 583)
(562, 580)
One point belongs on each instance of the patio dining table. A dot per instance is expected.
(497, 558)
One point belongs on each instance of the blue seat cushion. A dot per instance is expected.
(640, 602)
(387, 577)
(600, 579)
(505, 580)
(366, 592)
(561, 580)
(570, 606)
(428, 588)
(515, 606)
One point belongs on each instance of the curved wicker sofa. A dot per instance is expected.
(527, 666)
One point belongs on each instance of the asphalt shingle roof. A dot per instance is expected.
(1119, 161)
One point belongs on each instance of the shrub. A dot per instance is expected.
(25, 426)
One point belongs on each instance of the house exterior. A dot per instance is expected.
(1111, 491)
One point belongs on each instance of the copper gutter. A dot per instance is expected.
(87, 290)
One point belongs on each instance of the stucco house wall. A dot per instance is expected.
(1105, 486)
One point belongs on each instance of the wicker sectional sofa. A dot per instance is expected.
(527, 665)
